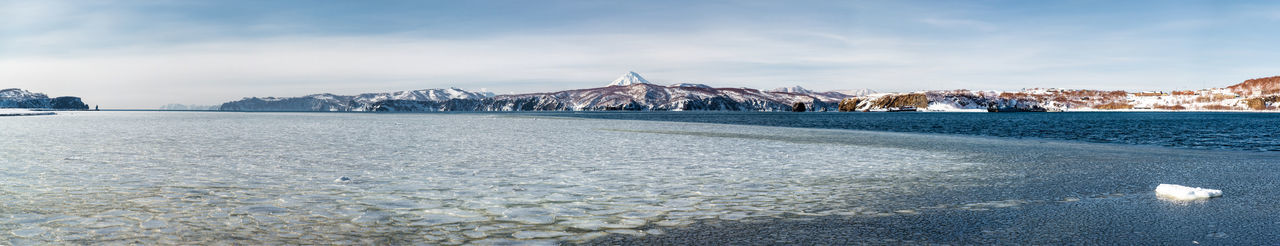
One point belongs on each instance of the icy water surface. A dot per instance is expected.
(264, 178)
(1193, 130)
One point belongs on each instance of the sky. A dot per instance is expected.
(144, 54)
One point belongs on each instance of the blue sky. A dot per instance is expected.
(143, 54)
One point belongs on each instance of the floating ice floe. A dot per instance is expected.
(343, 179)
(1178, 192)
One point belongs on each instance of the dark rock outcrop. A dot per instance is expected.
(798, 107)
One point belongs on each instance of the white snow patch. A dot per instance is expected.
(855, 92)
(952, 107)
(694, 85)
(1178, 192)
(629, 79)
(794, 89)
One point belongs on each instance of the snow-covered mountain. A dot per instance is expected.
(20, 94)
(689, 85)
(175, 106)
(656, 97)
(793, 89)
(856, 92)
(639, 96)
(421, 95)
(331, 102)
(632, 92)
(630, 78)
(629, 92)
(19, 98)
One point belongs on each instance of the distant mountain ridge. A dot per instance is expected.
(633, 92)
(645, 96)
(629, 92)
(689, 85)
(175, 106)
(792, 89)
(19, 98)
(331, 102)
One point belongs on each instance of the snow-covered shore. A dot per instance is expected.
(22, 112)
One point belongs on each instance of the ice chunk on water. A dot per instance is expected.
(475, 234)
(538, 234)
(440, 219)
(1178, 192)
(29, 232)
(372, 217)
(153, 224)
(533, 216)
(343, 179)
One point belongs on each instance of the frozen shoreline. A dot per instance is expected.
(22, 112)
(572, 180)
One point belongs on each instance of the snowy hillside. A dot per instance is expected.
(689, 85)
(175, 106)
(856, 92)
(19, 98)
(793, 89)
(420, 95)
(633, 92)
(331, 102)
(656, 97)
(1051, 100)
(628, 92)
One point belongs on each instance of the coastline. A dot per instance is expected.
(23, 112)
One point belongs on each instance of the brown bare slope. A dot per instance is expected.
(1263, 86)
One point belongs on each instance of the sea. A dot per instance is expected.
(86, 177)
(1192, 130)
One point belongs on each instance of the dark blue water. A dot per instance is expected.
(1193, 130)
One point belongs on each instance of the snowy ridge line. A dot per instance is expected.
(632, 92)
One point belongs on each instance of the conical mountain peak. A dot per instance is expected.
(629, 78)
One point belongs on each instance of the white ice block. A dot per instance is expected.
(1178, 192)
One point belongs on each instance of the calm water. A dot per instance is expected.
(268, 178)
(1195, 130)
